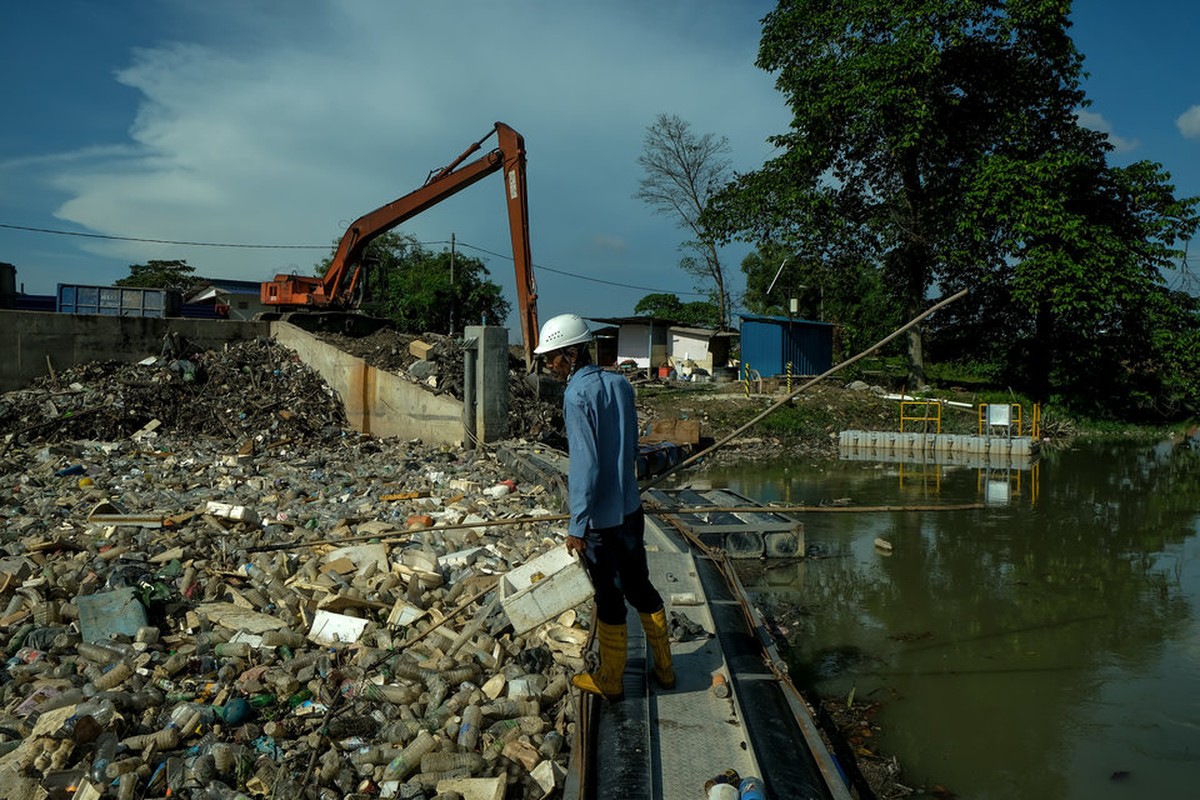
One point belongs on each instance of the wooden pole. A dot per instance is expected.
(911, 323)
(659, 510)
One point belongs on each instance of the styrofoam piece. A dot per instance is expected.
(404, 614)
(543, 588)
(475, 788)
(459, 558)
(331, 628)
(231, 511)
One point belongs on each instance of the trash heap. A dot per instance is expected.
(253, 389)
(272, 607)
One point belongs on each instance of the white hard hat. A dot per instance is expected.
(562, 331)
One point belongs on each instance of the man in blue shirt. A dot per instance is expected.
(607, 525)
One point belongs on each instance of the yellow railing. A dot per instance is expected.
(931, 412)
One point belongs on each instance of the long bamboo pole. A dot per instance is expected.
(775, 406)
(658, 510)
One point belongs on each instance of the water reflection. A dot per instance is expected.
(1032, 648)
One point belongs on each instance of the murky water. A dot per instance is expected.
(1045, 646)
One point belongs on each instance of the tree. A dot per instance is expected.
(668, 306)
(849, 295)
(907, 118)
(1082, 248)
(682, 172)
(174, 274)
(416, 291)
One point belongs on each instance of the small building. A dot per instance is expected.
(642, 341)
(651, 343)
(769, 344)
(230, 299)
(707, 348)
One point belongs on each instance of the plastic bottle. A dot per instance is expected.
(114, 677)
(468, 731)
(404, 764)
(555, 689)
(232, 650)
(283, 638)
(437, 690)
(503, 708)
(100, 710)
(127, 786)
(374, 754)
(751, 789)
(444, 762)
(393, 693)
(106, 748)
(552, 742)
(97, 653)
(174, 663)
(528, 725)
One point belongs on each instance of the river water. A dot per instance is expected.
(1044, 646)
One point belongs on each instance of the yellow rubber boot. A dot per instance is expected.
(607, 681)
(655, 626)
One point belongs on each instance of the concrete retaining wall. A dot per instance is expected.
(377, 402)
(28, 338)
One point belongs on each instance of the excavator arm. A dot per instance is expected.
(337, 288)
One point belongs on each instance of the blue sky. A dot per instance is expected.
(279, 122)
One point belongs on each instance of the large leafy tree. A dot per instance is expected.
(668, 306)
(939, 141)
(160, 274)
(425, 291)
(1075, 285)
(680, 173)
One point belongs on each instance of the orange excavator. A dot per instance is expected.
(340, 288)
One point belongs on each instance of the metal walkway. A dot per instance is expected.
(663, 745)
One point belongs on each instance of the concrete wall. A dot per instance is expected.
(28, 338)
(376, 402)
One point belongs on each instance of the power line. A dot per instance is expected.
(460, 243)
(164, 241)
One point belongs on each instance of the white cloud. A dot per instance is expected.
(1096, 122)
(249, 135)
(1189, 123)
(607, 242)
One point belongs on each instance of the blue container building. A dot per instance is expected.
(769, 344)
(118, 301)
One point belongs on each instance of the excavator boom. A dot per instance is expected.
(338, 287)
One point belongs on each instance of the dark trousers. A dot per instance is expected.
(616, 562)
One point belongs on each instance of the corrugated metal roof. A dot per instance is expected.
(797, 320)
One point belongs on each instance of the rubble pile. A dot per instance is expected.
(249, 389)
(283, 609)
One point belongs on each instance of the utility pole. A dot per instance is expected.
(453, 294)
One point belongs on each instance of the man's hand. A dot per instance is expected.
(576, 546)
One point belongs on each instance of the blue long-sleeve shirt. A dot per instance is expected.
(602, 435)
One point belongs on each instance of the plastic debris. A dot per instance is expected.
(247, 599)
